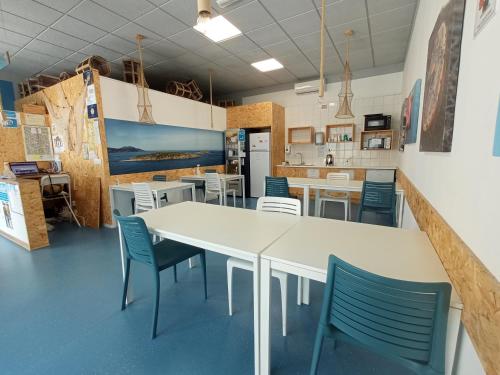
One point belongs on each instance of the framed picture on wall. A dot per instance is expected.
(485, 10)
(412, 112)
(402, 130)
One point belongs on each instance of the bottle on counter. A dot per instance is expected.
(198, 170)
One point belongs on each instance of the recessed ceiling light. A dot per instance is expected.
(218, 29)
(267, 65)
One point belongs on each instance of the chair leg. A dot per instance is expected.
(234, 198)
(203, 261)
(299, 291)
(157, 301)
(318, 344)
(350, 209)
(175, 273)
(284, 289)
(125, 285)
(230, 288)
(346, 210)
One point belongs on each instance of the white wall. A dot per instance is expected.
(119, 101)
(371, 95)
(462, 185)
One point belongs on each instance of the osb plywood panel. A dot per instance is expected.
(65, 103)
(172, 175)
(478, 288)
(250, 116)
(278, 137)
(88, 202)
(33, 214)
(11, 145)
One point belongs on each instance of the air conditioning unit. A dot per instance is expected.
(308, 87)
(225, 3)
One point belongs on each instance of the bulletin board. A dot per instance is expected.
(38, 143)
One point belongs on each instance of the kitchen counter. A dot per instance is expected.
(338, 166)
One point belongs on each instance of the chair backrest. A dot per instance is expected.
(335, 176)
(277, 187)
(136, 239)
(210, 170)
(160, 177)
(143, 197)
(279, 204)
(212, 181)
(379, 195)
(401, 319)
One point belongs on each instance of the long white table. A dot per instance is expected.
(225, 178)
(157, 187)
(390, 252)
(226, 230)
(339, 186)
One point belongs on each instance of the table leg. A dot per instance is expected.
(113, 205)
(243, 194)
(157, 200)
(401, 204)
(256, 314)
(193, 193)
(306, 200)
(224, 186)
(305, 291)
(299, 290)
(265, 323)
(316, 203)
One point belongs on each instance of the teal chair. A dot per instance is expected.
(277, 187)
(379, 197)
(158, 257)
(402, 320)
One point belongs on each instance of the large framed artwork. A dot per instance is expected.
(412, 112)
(135, 148)
(443, 62)
(402, 129)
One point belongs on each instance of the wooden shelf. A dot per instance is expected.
(301, 135)
(334, 130)
(368, 134)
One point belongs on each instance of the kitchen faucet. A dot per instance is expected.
(301, 157)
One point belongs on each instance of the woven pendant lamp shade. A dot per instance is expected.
(345, 95)
(144, 104)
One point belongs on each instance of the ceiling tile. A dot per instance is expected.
(61, 39)
(20, 25)
(97, 16)
(250, 16)
(399, 36)
(161, 23)
(292, 8)
(190, 39)
(379, 6)
(115, 43)
(38, 60)
(59, 67)
(344, 11)
(184, 10)
(392, 19)
(282, 76)
(266, 35)
(93, 49)
(129, 9)
(230, 8)
(75, 27)
(302, 24)
(60, 5)
(13, 38)
(167, 48)
(385, 55)
(148, 57)
(302, 70)
(77, 57)
(282, 49)
(12, 49)
(130, 30)
(212, 52)
(190, 59)
(254, 56)
(239, 45)
(32, 11)
(360, 59)
(48, 49)
(359, 26)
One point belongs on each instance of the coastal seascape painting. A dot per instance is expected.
(135, 148)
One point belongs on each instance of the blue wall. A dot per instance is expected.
(7, 93)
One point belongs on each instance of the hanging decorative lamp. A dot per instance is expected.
(204, 15)
(144, 104)
(345, 95)
(322, 52)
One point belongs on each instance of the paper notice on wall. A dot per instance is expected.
(97, 135)
(97, 161)
(37, 143)
(6, 211)
(92, 155)
(91, 97)
(85, 149)
(10, 119)
(58, 143)
(33, 119)
(92, 111)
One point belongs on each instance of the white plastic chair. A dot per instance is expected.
(144, 200)
(341, 197)
(269, 204)
(213, 185)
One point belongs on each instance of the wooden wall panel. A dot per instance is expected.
(33, 214)
(278, 137)
(11, 145)
(478, 288)
(250, 116)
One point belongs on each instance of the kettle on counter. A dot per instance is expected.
(329, 160)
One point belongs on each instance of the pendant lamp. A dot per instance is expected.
(345, 95)
(144, 104)
(204, 15)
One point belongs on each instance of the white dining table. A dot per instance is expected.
(157, 188)
(390, 252)
(319, 184)
(225, 230)
(225, 178)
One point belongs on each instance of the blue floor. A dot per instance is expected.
(60, 314)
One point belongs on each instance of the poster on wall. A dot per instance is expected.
(412, 112)
(10, 119)
(443, 62)
(6, 211)
(496, 141)
(402, 129)
(485, 10)
(135, 148)
(37, 143)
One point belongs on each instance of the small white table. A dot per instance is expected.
(226, 230)
(340, 186)
(157, 187)
(390, 252)
(225, 178)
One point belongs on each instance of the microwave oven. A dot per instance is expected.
(376, 143)
(377, 121)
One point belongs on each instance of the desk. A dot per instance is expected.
(225, 178)
(218, 229)
(390, 252)
(157, 187)
(339, 186)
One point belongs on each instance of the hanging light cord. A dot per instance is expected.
(322, 52)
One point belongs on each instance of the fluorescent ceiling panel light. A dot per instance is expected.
(218, 29)
(267, 65)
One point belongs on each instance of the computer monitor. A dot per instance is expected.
(24, 168)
